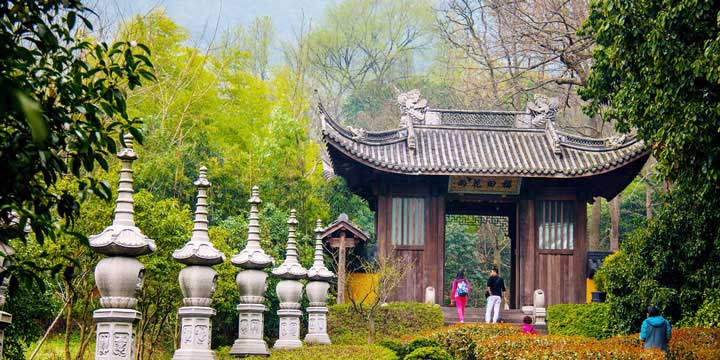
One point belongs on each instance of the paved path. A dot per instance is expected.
(477, 315)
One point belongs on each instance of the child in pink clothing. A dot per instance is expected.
(527, 327)
(459, 294)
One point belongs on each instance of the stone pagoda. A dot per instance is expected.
(251, 282)
(120, 275)
(197, 282)
(289, 291)
(317, 293)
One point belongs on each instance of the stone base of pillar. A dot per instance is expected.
(195, 333)
(5, 320)
(289, 329)
(317, 325)
(115, 334)
(250, 332)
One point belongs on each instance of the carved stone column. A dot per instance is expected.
(289, 291)
(197, 282)
(6, 256)
(251, 282)
(120, 275)
(317, 293)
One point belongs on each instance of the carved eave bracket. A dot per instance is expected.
(413, 109)
(554, 139)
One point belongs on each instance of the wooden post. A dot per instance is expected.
(341, 269)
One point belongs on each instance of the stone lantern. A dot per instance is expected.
(6, 256)
(197, 282)
(120, 275)
(343, 235)
(317, 293)
(251, 282)
(289, 291)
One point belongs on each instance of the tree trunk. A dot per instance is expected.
(371, 329)
(615, 223)
(594, 225)
(648, 187)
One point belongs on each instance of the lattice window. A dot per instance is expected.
(555, 224)
(408, 221)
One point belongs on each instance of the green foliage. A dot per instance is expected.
(27, 304)
(398, 347)
(428, 353)
(333, 352)
(655, 68)
(589, 320)
(346, 326)
(63, 103)
(669, 263)
(708, 315)
(558, 347)
(459, 340)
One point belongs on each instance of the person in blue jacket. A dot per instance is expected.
(655, 330)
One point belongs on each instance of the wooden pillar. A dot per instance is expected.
(341, 269)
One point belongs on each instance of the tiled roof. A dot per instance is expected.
(492, 147)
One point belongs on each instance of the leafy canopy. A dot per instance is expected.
(63, 99)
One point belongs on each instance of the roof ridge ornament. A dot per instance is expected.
(412, 110)
(542, 109)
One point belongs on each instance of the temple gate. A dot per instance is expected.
(511, 164)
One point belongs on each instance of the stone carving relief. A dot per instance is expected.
(201, 334)
(616, 141)
(244, 327)
(120, 344)
(255, 328)
(187, 334)
(103, 344)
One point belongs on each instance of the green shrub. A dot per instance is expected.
(708, 315)
(589, 320)
(397, 319)
(429, 353)
(459, 340)
(694, 343)
(398, 347)
(558, 347)
(332, 352)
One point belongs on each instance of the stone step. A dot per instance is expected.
(477, 315)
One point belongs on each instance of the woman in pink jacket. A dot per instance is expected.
(459, 294)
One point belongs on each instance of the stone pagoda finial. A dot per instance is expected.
(123, 237)
(289, 291)
(199, 250)
(119, 276)
(317, 293)
(291, 269)
(253, 256)
(197, 282)
(251, 283)
(318, 271)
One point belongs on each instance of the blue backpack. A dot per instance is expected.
(462, 289)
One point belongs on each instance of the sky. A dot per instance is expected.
(202, 17)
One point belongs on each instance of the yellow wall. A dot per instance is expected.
(590, 286)
(359, 285)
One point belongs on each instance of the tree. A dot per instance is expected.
(656, 70)
(63, 100)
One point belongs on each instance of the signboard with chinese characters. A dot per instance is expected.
(484, 185)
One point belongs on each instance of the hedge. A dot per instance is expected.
(558, 347)
(332, 352)
(459, 340)
(694, 343)
(428, 353)
(708, 315)
(589, 320)
(396, 319)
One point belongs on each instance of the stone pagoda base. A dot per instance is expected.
(317, 325)
(289, 329)
(115, 334)
(250, 332)
(195, 333)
